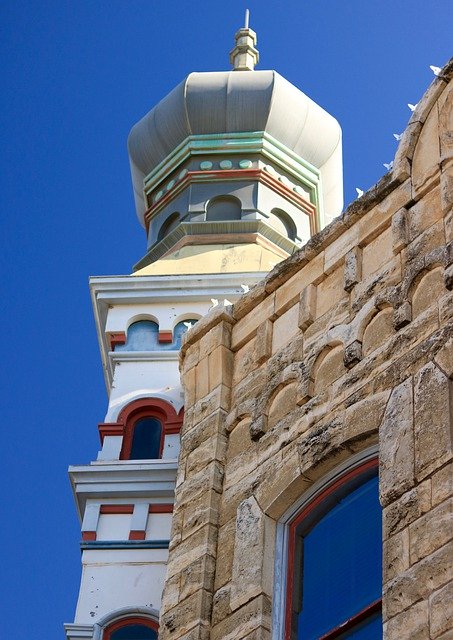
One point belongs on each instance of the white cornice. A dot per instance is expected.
(123, 480)
(127, 289)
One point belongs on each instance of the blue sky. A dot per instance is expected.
(75, 76)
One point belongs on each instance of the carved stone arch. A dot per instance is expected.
(378, 328)
(327, 367)
(282, 401)
(282, 222)
(425, 287)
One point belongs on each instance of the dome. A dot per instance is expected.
(235, 102)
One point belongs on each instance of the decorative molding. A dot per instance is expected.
(124, 544)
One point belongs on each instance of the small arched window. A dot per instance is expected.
(223, 208)
(142, 335)
(335, 562)
(169, 225)
(283, 223)
(147, 423)
(136, 628)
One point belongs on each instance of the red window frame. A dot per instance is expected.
(114, 626)
(133, 412)
(373, 607)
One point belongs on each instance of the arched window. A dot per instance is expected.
(136, 628)
(142, 335)
(147, 422)
(170, 223)
(283, 223)
(335, 561)
(223, 208)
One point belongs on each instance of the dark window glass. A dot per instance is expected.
(371, 629)
(134, 632)
(146, 439)
(341, 559)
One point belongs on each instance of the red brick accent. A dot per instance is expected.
(116, 508)
(89, 535)
(135, 534)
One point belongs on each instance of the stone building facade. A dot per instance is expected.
(344, 351)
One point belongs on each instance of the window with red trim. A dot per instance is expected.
(335, 562)
(136, 628)
(146, 423)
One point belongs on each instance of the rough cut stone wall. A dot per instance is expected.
(347, 343)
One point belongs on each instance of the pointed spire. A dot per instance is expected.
(244, 56)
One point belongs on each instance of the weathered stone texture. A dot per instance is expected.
(433, 429)
(345, 345)
(396, 437)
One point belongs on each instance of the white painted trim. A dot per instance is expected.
(147, 356)
(74, 631)
(130, 289)
(281, 543)
(124, 480)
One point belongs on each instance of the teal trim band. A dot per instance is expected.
(238, 143)
(124, 544)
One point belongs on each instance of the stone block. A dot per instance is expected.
(217, 399)
(441, 611)
(283, 403)
(189, 384)
(251, 617)
(200, 543)
(426, 156)
(213, 448)
(428, 291)
(307, 307)
(202, 378)
(210, 477)
(396, 439)
(409, 625)
(220, 367)
(352, 354)
(406, 509)
(363, 418)
(246, 328)
(263, 342)
(288, 293)
(429, 240)
(197, 575)
(418, 582)
(190, 613)
(330, 368)
(213, 425)
(352, 268)
(221, 605)
(424, 213)
(378, 331)
(442, 484)
(448, 277)
(433, 437)
(224, 560)
(284, 328)
(248, 554)
(330, 291)
(396, 555)
(377, 253)
(431, 531)
(400, 234)
(402, 315)
(245, 359)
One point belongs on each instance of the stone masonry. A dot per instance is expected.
(347, 343)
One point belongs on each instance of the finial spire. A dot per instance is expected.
(244, 56)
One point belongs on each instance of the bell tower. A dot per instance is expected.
(232, 172)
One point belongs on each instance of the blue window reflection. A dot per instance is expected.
(341, 559)
(146, 439)
(134, 632)
(143, 335)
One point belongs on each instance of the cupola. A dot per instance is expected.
(237, 162)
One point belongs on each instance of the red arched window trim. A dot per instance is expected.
(144, 407)
(148, 408)
(125, 621)
(313, 504)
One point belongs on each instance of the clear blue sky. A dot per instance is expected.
(75, 76)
